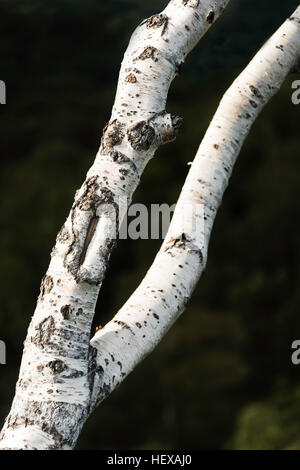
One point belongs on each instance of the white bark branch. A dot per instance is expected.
(55, 383)
(163, 294)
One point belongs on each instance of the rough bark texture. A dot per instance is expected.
(163, 294)
(58, 370)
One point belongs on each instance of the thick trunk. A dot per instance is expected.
(53, 393)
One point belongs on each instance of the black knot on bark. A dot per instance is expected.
(66, 311)
(210, 17)
(141, 136)
(56, 366)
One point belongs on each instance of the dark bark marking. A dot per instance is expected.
(131, 78)
(293, 18)
(124, 325)
(179, 241)
(141, 135)
(45, 330)
(112, 134)
(253, 103)
(66, 311)
(255, 91)
(176, 123)
(148, 53)
(46, 286)
(121, 158)
(210, 17)
(182, 242)
(57, 366)
(178, 67)
(156, 21)
(191, 3)
(168, 132)
(89, 199)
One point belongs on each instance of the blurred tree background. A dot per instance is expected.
(223, 377)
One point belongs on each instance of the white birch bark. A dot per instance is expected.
(163, 294)
(53, 392)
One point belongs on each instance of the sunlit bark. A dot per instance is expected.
(56, 381)
(168, 285)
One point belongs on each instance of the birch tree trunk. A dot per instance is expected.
(58, 370)
(167, 287)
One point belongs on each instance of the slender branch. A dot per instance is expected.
(167, 287)
(53, 392)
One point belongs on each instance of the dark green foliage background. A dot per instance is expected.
(222, 378)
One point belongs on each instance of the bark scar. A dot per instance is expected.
(84, 221)
(183, 243)
(89, 236)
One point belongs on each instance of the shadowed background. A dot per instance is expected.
(222, 377)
